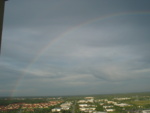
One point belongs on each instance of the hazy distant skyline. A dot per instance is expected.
(68, 47)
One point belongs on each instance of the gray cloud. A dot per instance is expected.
(48, 49)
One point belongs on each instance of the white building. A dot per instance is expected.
(65, 108)
(111, 102)
(56, 109)
(146, 111)
(122, 105)
(88, 98)
(110, 110)
(83, 105)
(87, 109)
(99, 112)
(82, 101)
(126, 98)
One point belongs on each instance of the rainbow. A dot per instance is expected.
(69, 31)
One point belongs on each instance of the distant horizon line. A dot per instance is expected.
(36, 96)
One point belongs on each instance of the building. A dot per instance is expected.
(56, 109)
(110, 110)
(83, 105)
(99, 112)
(88, 98)
(122, 105)
(146, 111)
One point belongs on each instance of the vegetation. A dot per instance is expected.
(99, 107)
(137, 102)
(140, 103)
(12, 101)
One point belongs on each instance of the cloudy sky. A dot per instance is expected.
(75, 47)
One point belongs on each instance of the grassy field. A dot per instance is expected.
(141, 103)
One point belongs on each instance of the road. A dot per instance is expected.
(74, 107)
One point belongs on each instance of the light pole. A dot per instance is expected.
(2, 6)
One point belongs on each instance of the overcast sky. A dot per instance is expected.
(75, 47)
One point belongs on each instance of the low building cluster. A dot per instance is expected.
(84, 105)
(125, 98)
(31, 107)
(87, 100)
(28, 107)
(87, 105)
(63, 106)
(88, 109)
(109, 108)
(66, 106)
(107, 105)
(10, 107)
